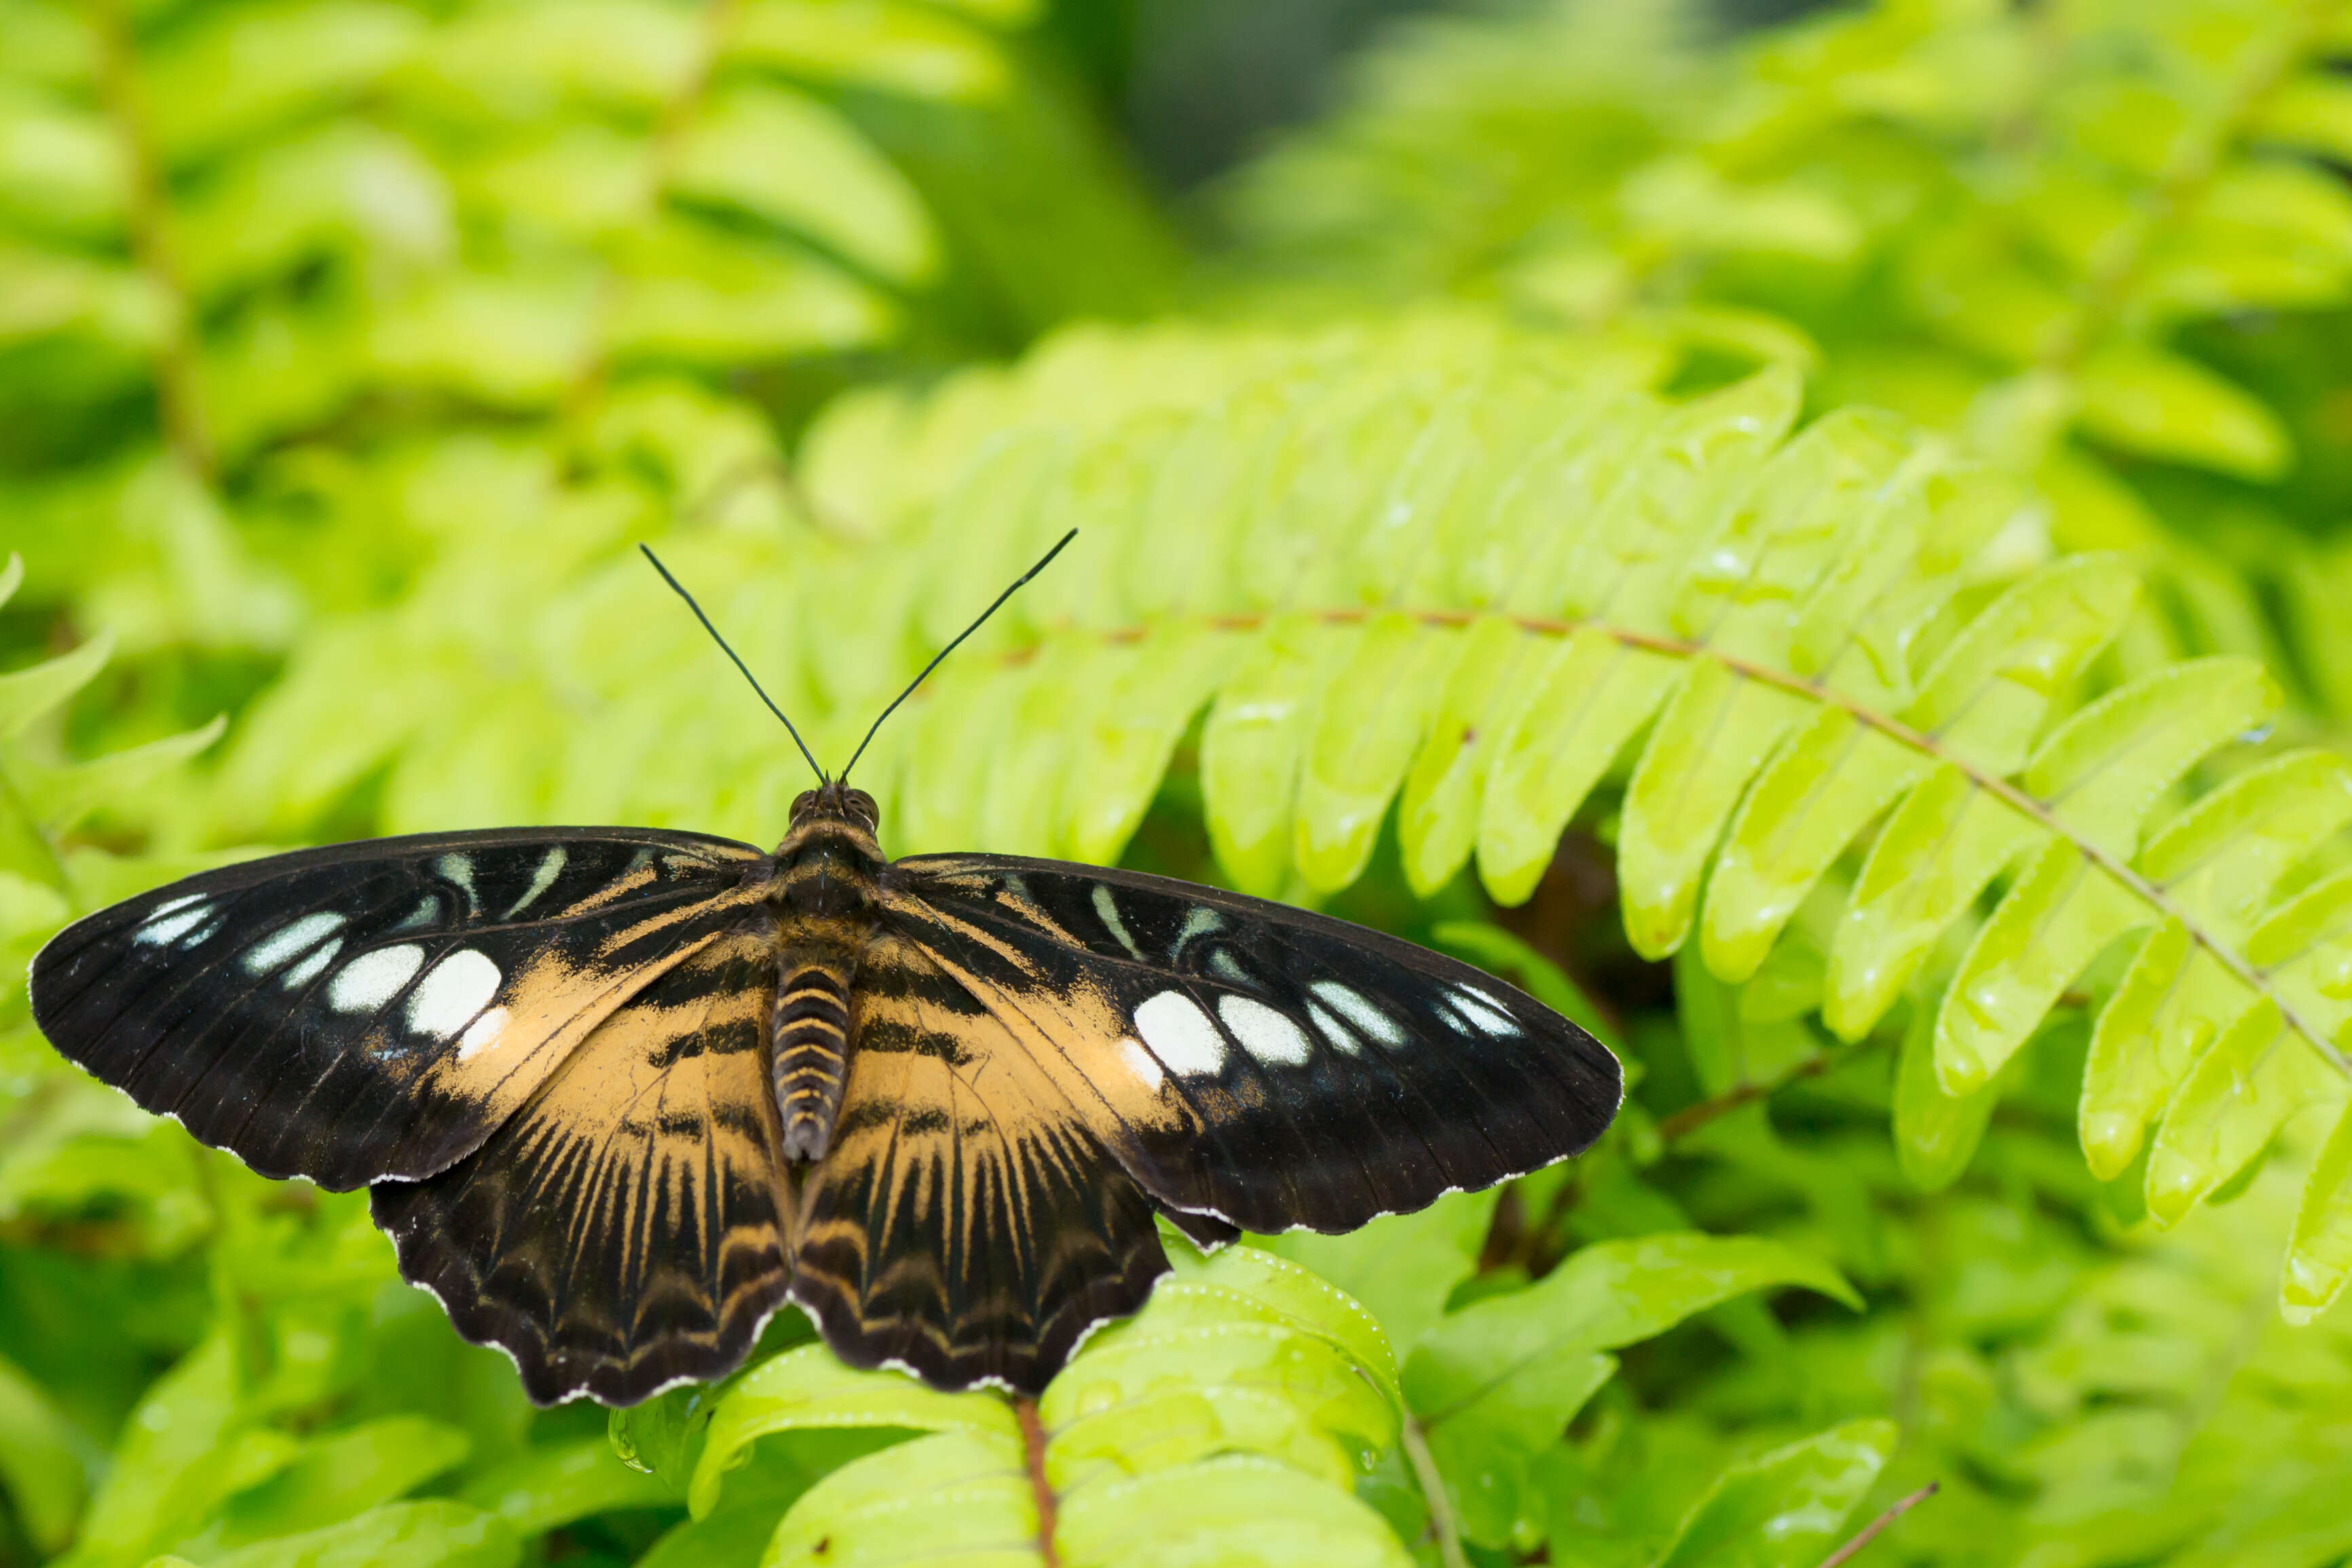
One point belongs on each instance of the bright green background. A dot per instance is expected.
(1817, 548)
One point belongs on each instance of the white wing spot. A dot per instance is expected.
(1142, 1063)
(458, 871)
(452, 992)
(1342, 1039)
(1107, 910)
(1485, 1015)
(173, 920)
(311, 968)
(280, 946)
(550, 865)
(373, 978)
(1225, 966)
(1351, 1004)
(482, 1034)
(1266, 1034)
(1199, 922)
(1181, 1034)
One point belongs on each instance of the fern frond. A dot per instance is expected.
(1478, 599)
(2015, 225)
(1230, 1417)
(307, 231)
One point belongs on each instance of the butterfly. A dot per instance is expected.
(620, 1094)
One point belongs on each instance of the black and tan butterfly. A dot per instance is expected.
(620, 1094)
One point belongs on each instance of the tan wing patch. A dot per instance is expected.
(628, 1228)
(539, 1014)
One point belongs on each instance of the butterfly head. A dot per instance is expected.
(830, 858)
(836, 801)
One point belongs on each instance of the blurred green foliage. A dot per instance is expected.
(1497, 543)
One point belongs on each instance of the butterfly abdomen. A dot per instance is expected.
(812, 1050)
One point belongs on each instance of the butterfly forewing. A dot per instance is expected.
(1255, 1062)
(966, 1223)
(375, 1010)
(627, 1229)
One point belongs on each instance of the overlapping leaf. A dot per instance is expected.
(1228, 1421)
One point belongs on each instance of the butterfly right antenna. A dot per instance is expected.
(1017, 582)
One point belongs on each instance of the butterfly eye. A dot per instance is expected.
(862, 806)
(801, 803)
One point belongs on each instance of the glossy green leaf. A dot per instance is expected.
(552, 1484)
(2242, 1091)
(1936, 1133)
(788, 158)
(1832, 778)
(2101, 770)
(2319, 1256)
(1438, 810)
(1988, 696)
(2312, 113)
(1786, 1509)
(1364, 738)
(432, 1534)
(2176, 999)
(1285, 1292)
(893, 46)
(1116, 763)
(27, 694)
(167, 1470)
(957, 1495)
(2063, 909)
(40, 1465)
(1588, 701)
(1400, 1267)
(337, 1475)
(2162, 405)
(235, 73)
(1251, 748)
(1717, 730)
(1496, 1382)
(807, 1387)
(1237, 1510)
(1937, 851)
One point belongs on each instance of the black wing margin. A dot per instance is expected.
(372, 1011)
(1244, 1060)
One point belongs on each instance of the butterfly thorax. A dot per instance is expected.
(822, 892)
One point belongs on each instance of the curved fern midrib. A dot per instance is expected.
(1813, 691)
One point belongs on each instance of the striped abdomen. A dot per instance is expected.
(811, 1051)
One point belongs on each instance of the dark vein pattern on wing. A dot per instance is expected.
(625, 1228)
(966, 1223)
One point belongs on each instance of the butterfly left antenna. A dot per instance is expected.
(679, 589)
(1042, 562)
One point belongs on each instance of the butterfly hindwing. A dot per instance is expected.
(965, 1222)
(375, 1010)
(1248, 1061)
(628, 1228)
